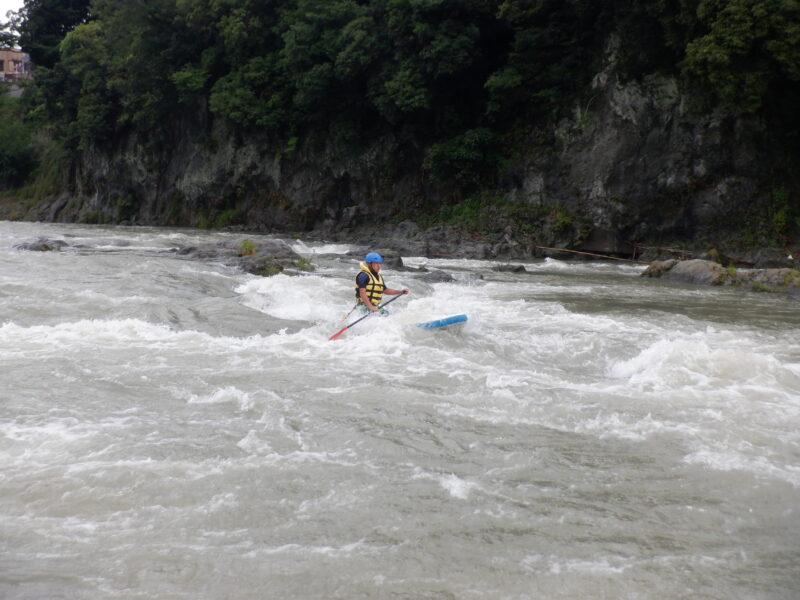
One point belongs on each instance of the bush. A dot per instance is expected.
(247, 248)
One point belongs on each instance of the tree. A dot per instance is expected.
(45, 24)
(551, 56)
(8, 30)
(751, 50)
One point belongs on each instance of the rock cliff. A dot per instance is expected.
(632, 164)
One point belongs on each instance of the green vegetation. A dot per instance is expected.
(469, 214)
(226, 218)
(462, 72)
(561, 220)
(781, 212)
(247, 248)
(270, 269)
(17, 153)
(303, 264)
(792, 278)
(466, 84)
(748, 51)
(758, 286)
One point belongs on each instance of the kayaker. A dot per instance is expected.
(370, 287)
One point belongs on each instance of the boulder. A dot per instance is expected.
(704, 272)
(697, 271)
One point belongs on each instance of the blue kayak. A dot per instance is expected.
(439, 323)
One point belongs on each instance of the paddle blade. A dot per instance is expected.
(338, 333)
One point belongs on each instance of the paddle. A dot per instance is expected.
(346, 327)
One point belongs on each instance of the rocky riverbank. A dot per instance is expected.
(706, 272)
(265, 256)
(762, 270)
(634, 165)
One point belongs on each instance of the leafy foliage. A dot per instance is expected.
(17, 154)
(459, 77)
(44, 25)
(751, 49)
(552, 46)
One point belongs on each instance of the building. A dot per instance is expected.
(14, 65)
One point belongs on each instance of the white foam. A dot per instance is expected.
(289, 432)
(703, 360)
(90, 332)
(300, 550)
(553, 263)
(457, 487)
(297, 298)
(53, 434)
(628, 427)
(603, 566)
(252, 443)
(316, 249)
(227, 394)
(731, 460)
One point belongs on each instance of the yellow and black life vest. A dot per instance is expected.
(375, 286)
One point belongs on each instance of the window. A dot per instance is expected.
(2, 66)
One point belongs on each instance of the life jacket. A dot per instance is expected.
(375, 286)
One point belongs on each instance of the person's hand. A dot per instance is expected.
(405, 290)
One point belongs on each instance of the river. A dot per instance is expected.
(176, 429)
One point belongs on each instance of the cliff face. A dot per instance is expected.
(213, 176)
(633, 164)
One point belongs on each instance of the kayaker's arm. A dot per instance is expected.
(393, 292)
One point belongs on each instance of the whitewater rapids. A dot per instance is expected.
(176, 429)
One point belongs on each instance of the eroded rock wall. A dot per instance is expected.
(632, 164)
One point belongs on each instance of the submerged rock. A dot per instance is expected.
(510, 269)
(263, 257)
(436, 276)
(42, 245)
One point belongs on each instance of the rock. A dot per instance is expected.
(775, 278)
(658, 267)
(259, 255)
(275, 248)
(436, 277)
(697, 271)
(717, 257)
(631, 163)
(604, 241)
(256, 246)
(265, 266)
(704, 272)
(510, 269)
(57, 207)
(42, 245)
(442, 241)
(770, 258)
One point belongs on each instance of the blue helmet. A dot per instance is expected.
(373, 257)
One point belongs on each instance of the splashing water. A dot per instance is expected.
(177, 429)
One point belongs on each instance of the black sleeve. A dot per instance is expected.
(362, 279)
